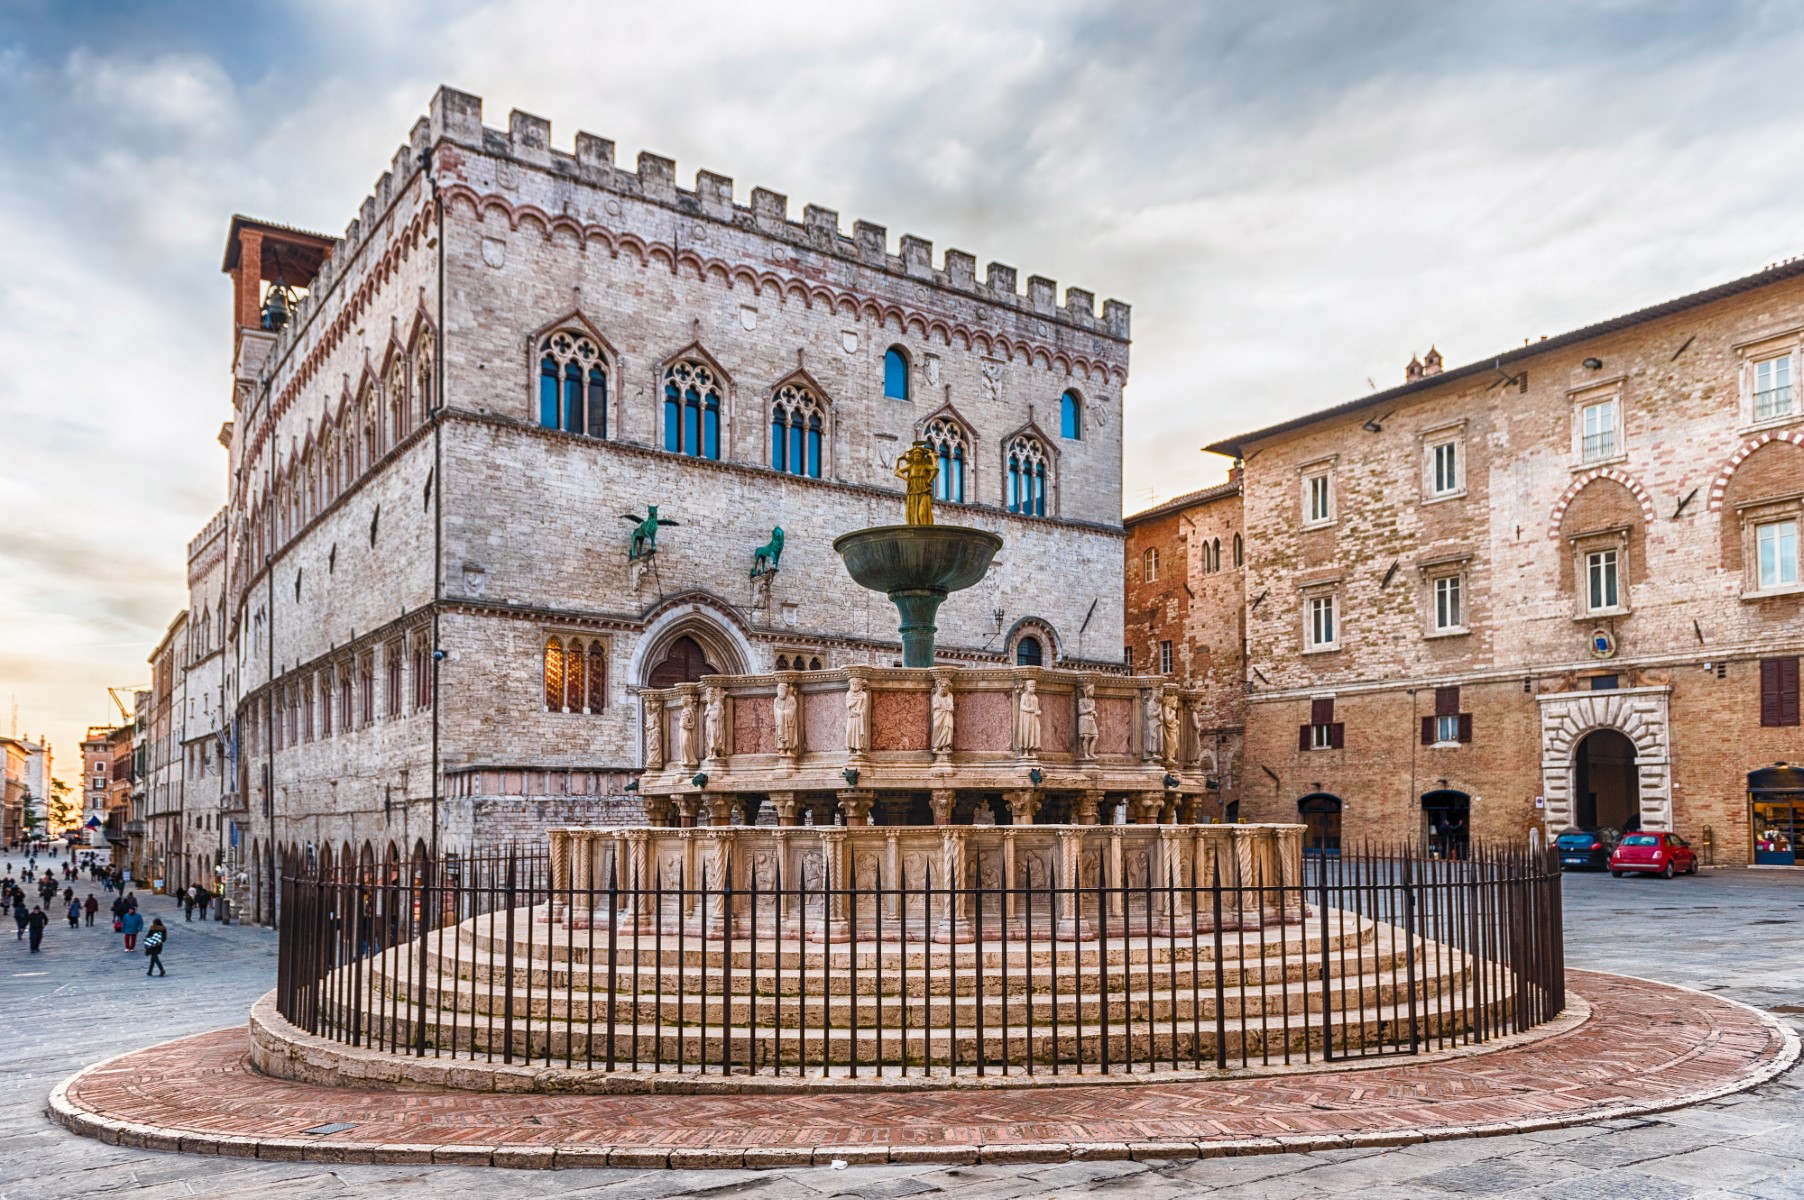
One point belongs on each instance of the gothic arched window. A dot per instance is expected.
(895, 373)
(1239, 551)
(423, 380)
(1026, 477)
(947, 440)
(554, 674)
(796, 424)
(692, 409)
(399, 412)
(573, 384)
(1071, 416)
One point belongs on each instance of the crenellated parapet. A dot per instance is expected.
(456, 118)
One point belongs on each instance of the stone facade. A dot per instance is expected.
(411, 524)
(1583, 559)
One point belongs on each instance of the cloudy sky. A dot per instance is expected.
(1295, 197)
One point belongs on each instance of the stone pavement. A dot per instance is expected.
(1736, 933)
(1646, 1047)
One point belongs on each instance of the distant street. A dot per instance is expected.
(1738, 934)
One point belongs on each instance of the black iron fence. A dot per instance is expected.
(1377, 953)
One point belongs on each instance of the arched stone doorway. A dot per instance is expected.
(1638, 714)
(684, 662)
(1447, 823)
(1606, 785)
(1320, 814)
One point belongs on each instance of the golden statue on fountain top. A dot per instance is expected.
(918, 466)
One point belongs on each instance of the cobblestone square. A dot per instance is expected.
(1739, 934)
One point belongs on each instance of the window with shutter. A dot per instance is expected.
(1779, 691)
(1465, 727)
(1428, 731)
(1446, 701)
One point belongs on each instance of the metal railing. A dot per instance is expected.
(1377, 953)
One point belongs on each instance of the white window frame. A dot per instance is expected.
(1757, 517)
(1785, 529)
(1321, 737)
(1315, 474)
(1451, 440)
(1787, 347)
(1440, 588)
(1149, 565)
(1314, 605)
(1780, 396)
(1446, 730)
(1602, 452)
(1595, 576)
(1166, 656)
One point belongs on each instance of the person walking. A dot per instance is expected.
(36, 922)
(21, 914)
(153, 947)
(206, 900)
(90, 907)
(75, 914)
(131, 925)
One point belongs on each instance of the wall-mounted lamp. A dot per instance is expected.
(1594, 364)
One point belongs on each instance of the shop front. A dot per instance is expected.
(1776, 814)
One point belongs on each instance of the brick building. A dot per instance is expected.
(1184, 612)
(432, 633)
(1556, 587)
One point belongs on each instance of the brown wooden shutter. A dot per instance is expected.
(1321, 712)
(1465, 727)
(1337, 738)
(1446, 701)
(1303, 737)
(1428, 731)
(1779, 691)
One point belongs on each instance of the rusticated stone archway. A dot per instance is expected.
(1640, 714)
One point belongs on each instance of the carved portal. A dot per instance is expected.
(1640, 714)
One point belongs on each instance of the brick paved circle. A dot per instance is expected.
(1646, 1047)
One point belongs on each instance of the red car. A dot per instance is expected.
(1664, 854)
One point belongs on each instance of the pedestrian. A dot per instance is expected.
(21, 914)
(131, 924)
(131, 901)
(153, 947)
(206, 902)
(36, 921)
(188, 901)
(75, 914)
(68, 894)
(91, 907)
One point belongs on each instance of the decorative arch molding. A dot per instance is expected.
(699, 615)
(1036, 627)
(1643, 715)
(574, 319)
(1720, 485)
(1589, 477)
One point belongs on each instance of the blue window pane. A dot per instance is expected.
(692, 418)
(814, 448)
(1068, 417)
(798, 462)
(711, 431)
(1014, 485)
(598, 402)
(548, 394)
(779, 441)
(1040, 490)
(573, 398)
(942, 483)
(673, 420)
(895, 375)
(958, 476)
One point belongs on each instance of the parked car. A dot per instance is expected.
(1664, 854)
(1586, 847)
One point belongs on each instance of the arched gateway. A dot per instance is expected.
(1641, 715)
